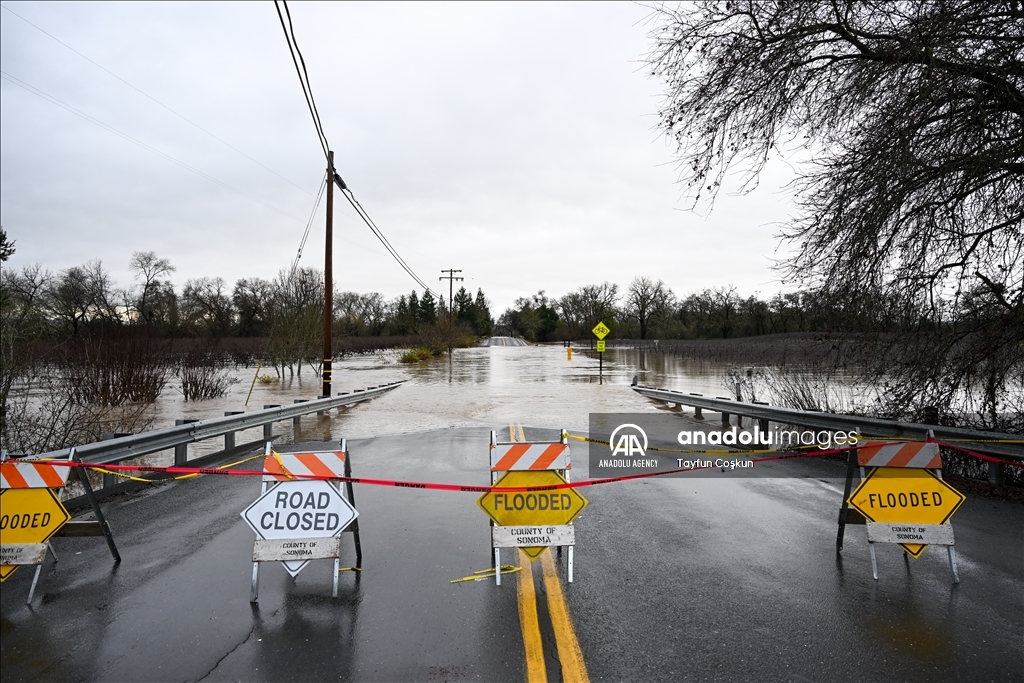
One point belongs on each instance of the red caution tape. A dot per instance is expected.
(982, 456)
(485, 489)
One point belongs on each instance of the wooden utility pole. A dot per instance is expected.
(451, 278)
(328, 284)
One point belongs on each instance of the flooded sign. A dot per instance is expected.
(296, 510)
(28, 519)
(902, 497)
(601, 330)
(529, 511)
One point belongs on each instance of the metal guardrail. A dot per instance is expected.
(178, 437)
(987, 442)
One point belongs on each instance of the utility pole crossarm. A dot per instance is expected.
(451, 278)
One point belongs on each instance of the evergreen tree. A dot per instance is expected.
(414, 309)
(463, 307)
(483, 323)
(428, 308)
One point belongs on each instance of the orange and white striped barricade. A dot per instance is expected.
(901, 498)
(551, 463)
(31, 513)
(298, 518)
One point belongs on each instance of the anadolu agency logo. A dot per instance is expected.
(628, 445)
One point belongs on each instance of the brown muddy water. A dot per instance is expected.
(486, 387)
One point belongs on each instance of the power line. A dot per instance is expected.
(380, 236)
(309, 223)
(150, 97)
(77, 112)
(307, 90)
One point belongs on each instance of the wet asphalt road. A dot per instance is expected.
(675, 579)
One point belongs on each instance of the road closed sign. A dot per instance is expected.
(905, 496)
(299, 510)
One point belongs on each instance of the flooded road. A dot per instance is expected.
(535, 385)
(675, 580)
(680, 579)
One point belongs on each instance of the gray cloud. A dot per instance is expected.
(513, 141)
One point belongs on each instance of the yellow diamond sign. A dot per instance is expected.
(28, 516)
(600, 330)
(532, 508)
(906, 495)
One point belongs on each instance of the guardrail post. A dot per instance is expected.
(181, 450)
(297, 420)
(268, 427)
(110, 479)
(321, 412)
(229, 438)
(762, 422)
(725, 415)
(995, 473)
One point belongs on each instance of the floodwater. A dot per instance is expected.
(485, 387)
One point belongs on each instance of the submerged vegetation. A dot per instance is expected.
(417, 354)
(81, 356)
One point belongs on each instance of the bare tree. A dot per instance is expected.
(297, 304)
(252, 298)
(21, 320)
(646, 301)
(148, 268)
(587, 306)
(205, 304)
(79, 295)
(914, 115)
(375, 312)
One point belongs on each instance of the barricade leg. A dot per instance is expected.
(352, 499)
(874, 561)
(83, 478)
(570, 563)
(497, 566)
(337, 570)
(254, 594)
(952, 563)
(32, 589)
(49, 548)
(851, 466)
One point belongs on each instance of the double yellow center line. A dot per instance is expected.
(574, 669)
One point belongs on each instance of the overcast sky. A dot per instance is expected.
(517, 142)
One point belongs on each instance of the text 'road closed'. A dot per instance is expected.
(300, 510)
